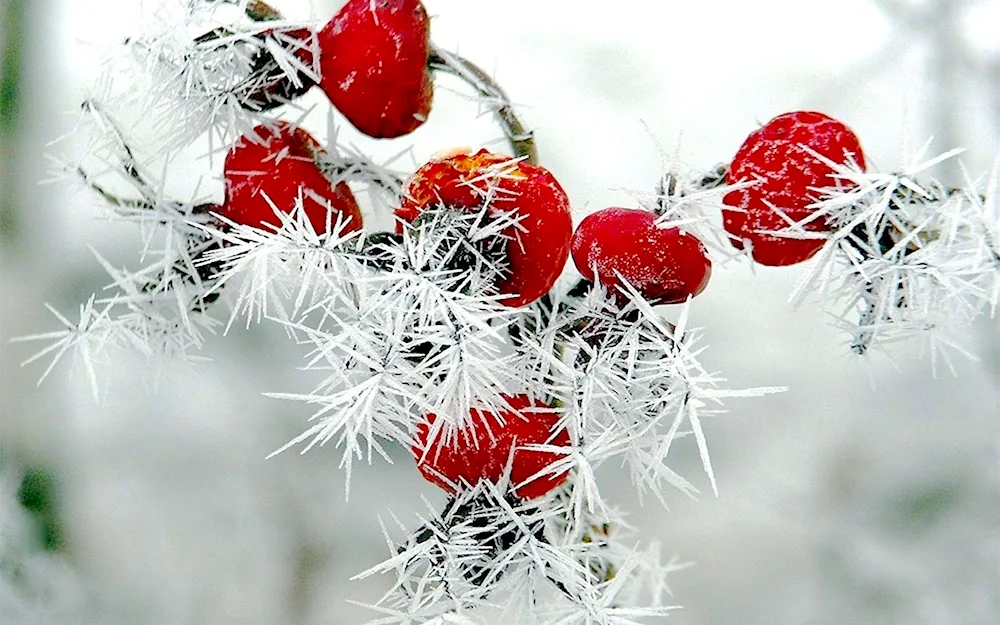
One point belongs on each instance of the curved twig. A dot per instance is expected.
(522, 140)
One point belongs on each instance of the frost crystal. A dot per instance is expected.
(209, 66)
(906, 256)
(487, 554)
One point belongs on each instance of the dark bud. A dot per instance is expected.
(268, 86)
(379, 250)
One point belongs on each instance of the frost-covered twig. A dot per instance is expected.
(906, 255)
(488, 554)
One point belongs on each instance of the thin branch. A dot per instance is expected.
(129, 163)
(522, 140)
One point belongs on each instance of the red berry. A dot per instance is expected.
(480, 452)
(278, 163)
(373, 65)
(536, 250)
(664, 264)
(787, 175)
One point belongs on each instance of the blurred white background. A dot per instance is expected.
(869, 493)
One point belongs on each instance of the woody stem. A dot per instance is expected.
(522, 140)
(129, 163)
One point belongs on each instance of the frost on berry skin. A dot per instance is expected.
(666, 265)
(482, 449)
(784, 175)
(270, 168)
(373, 65)
(536, 248)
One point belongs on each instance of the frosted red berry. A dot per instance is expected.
(373, 65)
(481, 451)
(537, 249)
(276, 164)
(666, 265)
(786, 176)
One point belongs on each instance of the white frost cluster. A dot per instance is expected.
(907, 256)
(200, 67)
(158, 308)
(408, 325)
(487, 556)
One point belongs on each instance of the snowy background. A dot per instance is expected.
(868, 493)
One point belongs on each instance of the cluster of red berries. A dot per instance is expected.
(613, 246)
(618, 245)
(374, 69)
(534, 250)
(782, 174)
(665, 265)
(372, 59)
